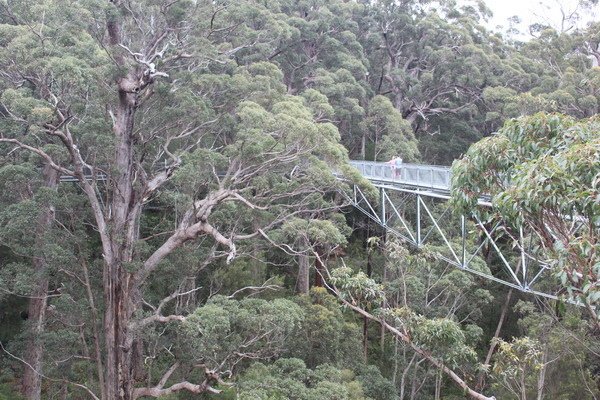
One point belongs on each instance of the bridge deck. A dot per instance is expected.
(427, 180)
(430, 177)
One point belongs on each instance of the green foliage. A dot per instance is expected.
(516, 360)
(542, 354)
(441, 336)
(289, 378)
(357, 289)
(392, 135)
(327, 336)
(318, 232)
(6, 393)
(225, 330)
(543, 171)
(375, 385)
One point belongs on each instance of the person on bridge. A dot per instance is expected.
(396, 165)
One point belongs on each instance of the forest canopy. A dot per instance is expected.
(173, 225)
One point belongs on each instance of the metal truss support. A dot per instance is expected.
(409, 237)
(426, 225)
(463, 233)
(419, 241)
(382, 197)
(523, 259)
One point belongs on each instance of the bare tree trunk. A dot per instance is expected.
(365, 319)
(541, 384)
(121, 299)
(490, 353)
(95, 330)
(186, 302)
(121, 295)
(438, 385)
(119, 377)
(382, 328)
(34, 347)
(396, 361)
(523, 387)
(488, 357)
(366, 339)
(375, 147)
(363, 146)
(303, 282)
(413, 385)
(405, 374)
(319, 269)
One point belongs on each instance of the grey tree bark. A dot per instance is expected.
(303, 282)
(34, 347)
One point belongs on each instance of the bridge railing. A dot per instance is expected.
(422, 176)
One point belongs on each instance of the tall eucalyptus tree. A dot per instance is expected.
(149, 96)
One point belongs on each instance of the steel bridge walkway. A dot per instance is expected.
(407, 196)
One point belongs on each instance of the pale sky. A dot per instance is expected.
(531, 11)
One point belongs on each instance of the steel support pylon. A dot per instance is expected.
(405, 213)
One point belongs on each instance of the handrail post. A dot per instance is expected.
(523, 258)
(463, 230)
(382, 196)
(431, 177)
(418, 220)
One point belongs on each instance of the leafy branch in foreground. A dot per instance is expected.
(424, 336)
(543, 172)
